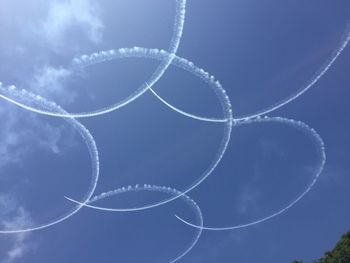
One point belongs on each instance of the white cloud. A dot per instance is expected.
(14, 217)
(43, 38)
(50, 82)
(68, 25)
(69, 14)
(23, 133)
(68, 28)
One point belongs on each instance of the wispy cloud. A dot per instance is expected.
(247, 201)
(69, 27)
(51, 83)
(64, 17)
(42, 43)
(23, 132)
(14, 217)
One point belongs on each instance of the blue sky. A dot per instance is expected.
(261, 52)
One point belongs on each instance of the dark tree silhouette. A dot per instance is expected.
(339, 254)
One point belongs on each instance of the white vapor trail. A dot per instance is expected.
(161, 55)
(42, 103)
(165, 63)
(37, 104)
(162, 189)
(190, 67)
(319, 144)
(180, 62)
(317, 76)
(167, 58)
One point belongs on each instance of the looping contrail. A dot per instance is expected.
(37, 104)
(161, 189)
(165, 63)
(44, 104)
(184, 64)
(321, 158)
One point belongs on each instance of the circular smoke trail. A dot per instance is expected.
(40, 102)
(167, 190)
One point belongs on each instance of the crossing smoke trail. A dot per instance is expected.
(319, 145)
(44, 104)
(165, 63)
(161, 189)
(95, 58)
(34, 103)
(103, 56)
(140, 52)
(162, 55)
(300, 126)
(190, 67)
(223, 98)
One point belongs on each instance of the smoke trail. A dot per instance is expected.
(37, 104)
(316, 140)
(190, 67)
(44, 104)
(140, 52)
(87, 60)
(136, 52)
(317, 76)
(165, 63)
(168, 58)
(172, 192)
(180, 62)
(153, 53)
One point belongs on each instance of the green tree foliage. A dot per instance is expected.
(340, 253)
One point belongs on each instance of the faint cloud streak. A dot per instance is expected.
(14, 217)
(66, 15)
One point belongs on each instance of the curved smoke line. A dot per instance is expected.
(40, 102)
(162, 189)
(190, 67)
(168, 57)
(319, 144)
(181, 62)
(37, 104)
(174, 45)
(317, 76)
